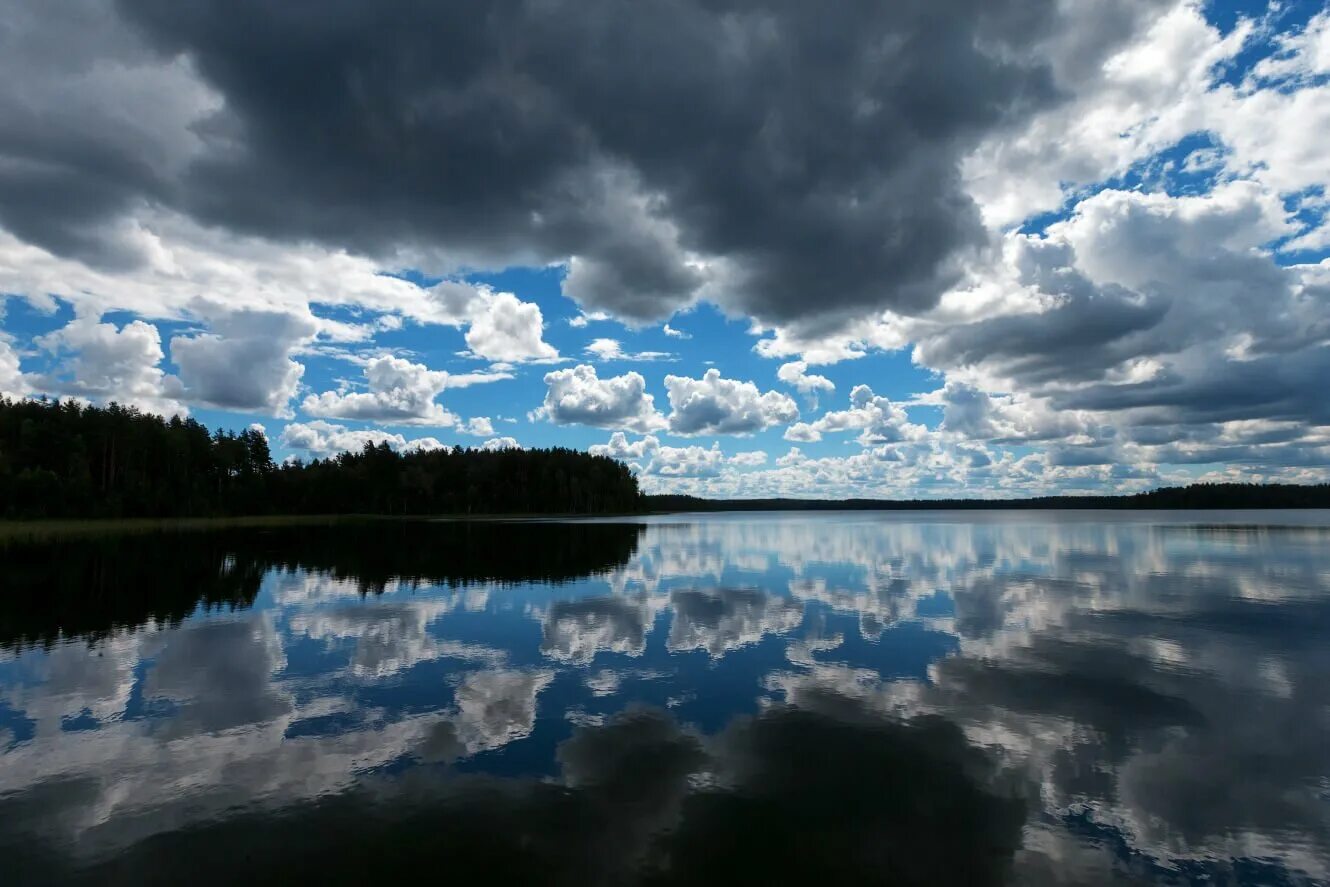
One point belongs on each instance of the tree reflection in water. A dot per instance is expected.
(958, 699)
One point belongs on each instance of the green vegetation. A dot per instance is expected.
(66, 460)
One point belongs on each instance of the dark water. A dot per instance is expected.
(1031, 698)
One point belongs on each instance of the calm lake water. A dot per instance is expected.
(902, 698)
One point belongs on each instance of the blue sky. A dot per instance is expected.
(1093, 261)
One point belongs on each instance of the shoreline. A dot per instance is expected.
(38, 527)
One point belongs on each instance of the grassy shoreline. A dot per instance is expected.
(15, 529)
(41, 527)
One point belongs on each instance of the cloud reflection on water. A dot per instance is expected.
(1146, 694)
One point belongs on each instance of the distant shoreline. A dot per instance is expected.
(1199, 497)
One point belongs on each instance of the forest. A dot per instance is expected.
(68, 460)
(63, 459)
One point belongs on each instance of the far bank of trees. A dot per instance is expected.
(64, 459)
(67, 460)
(1199, 496)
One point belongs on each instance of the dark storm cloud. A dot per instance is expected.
(71, 156)
(1093, 329)
(1283, 386)
(811, 149)
(60, 205)
(1076, 352)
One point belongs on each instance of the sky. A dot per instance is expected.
(982, 248)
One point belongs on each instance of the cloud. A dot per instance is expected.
(612, 349)
(97, 124)
(648, 457)
(1125, 336)
(688, 461)
(850, 343)
(243, 361)
(979, 415)
(236, 273)
(605, 349)
(803, 432)
(619, 447)
(322, 439)
(403, 393)
(598, 167)
(1102, 226)
(495, 444)
(509, 330)
(183, 260)
(1253, 96)
(582, 319)
(109, 364)
(934, 467)
(1142, 303)
(795, 374)
(480, 426)
(13, 383)
(877, 420)
(712, 405)
(576, 396)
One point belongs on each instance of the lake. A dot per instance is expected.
(901, 698)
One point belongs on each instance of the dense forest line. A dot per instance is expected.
(1200, 496)
(65, 459)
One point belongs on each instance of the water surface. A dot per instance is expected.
(912, 698)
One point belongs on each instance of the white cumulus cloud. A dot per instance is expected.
(714, 405)
(321, 439)
(494, 444)
(577, 396)
(877, 420)
(796, 375)
(612, 349)
(107, 363)
(400, 392)
(244, 360)
(509, 330)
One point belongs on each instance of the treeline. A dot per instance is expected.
(65, 459)
(1200, 496)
